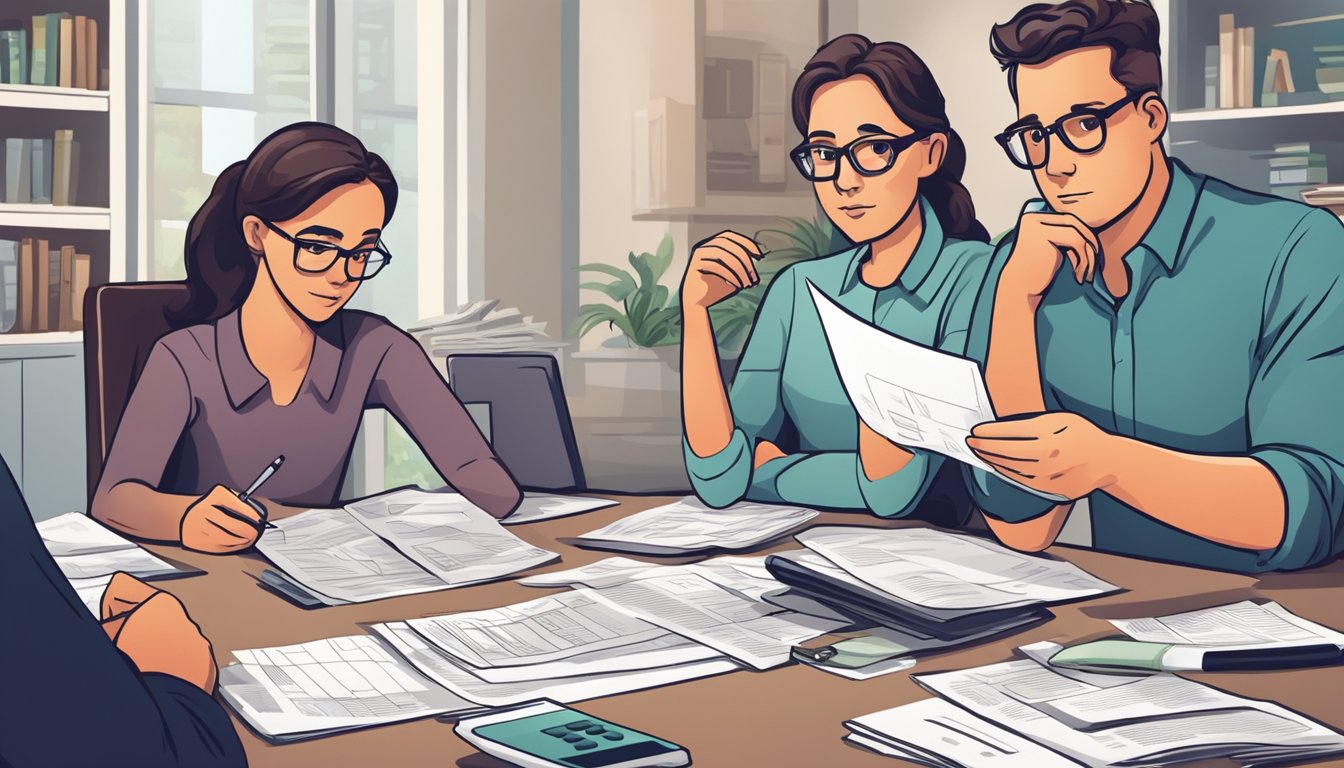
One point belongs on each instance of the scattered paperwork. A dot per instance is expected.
(1238, 625)
(89, 553)
(536, 507)
(483, 327)
(688, 526)
(936, 733)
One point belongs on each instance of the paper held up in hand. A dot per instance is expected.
(912, 395)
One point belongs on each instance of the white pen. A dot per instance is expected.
(263, 477)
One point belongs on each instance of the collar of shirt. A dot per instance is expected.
(1166, 237)
(242, 380)
(914, 278)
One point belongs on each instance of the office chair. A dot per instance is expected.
(518, 403)
(121, 323)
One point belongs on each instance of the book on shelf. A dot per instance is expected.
(80, 76)
(55, 49)
(89, 56)
(66, 74)
(65, 293)
(1294, 168)
(79, 281)
(1278, 73)
(1227, 61)
(26, 319)
(18, 170)
(9, 287)
(38, 71)
(42, 286)
(1210, 77)
(13, 52)
(62, 172)
(1245, 66)
(41, 170)
(53, 319)
(41, 296)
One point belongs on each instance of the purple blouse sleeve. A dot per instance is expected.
(158, 411)
(410, 388)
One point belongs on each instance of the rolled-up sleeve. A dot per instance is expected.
(410, 388)
(1296, 424)
(159, 409)
(723, 478)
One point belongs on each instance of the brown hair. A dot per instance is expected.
(287, 172)
(913, 94)
(1042, 31)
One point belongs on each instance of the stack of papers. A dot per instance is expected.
(481, 326)
(400, 543)
(688, 526)
(937, 588)
(1238, 625)
(88, 554)
(536, 507)
(1089, 719)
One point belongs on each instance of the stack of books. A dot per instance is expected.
(1327, 196)
(482, 326)
(1236, 63)
(42, 170)
(1330, 72)
(57, 49)
(42, 286)
(1294, 168)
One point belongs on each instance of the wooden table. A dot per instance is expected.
(789, 716)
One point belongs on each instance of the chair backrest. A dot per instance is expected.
(121, 324)
(519, 404)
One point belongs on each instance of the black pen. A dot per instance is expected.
(256, 484)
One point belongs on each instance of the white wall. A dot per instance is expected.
(952, 37)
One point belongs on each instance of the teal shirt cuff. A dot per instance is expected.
(722, 478)
(898, 494)
(1002, 501)
(1313, 491)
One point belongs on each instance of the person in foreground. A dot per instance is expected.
(134, 691)
(1183, 337)
(886, 166)
(268, 363)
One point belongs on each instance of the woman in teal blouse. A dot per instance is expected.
(886, 168)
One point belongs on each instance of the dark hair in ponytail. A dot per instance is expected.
(287, 172)
(909, 87)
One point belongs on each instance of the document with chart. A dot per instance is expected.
(912, 395)
(400, 543)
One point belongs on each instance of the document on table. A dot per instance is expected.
(536, 507)
(1106, 719)
(691, 605)
(914, 396)
(400, 543)
(313, 689)
(88, 554)
(689, 526)
(950, 571)
(745, 574)
(1245, 624)
(442, 669)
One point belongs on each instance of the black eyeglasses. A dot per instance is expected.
(316, 257)
(868, 155)
(1028, 146)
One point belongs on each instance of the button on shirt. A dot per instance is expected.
(787, 384)
(1230, 341)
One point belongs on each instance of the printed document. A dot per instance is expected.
(750, 631)
(400, 543)
(1245, 624)
(89, 553)
(689, 526)
(943, 570)
(312, 689)
(744, 574)
(536, 507)
(912, 395)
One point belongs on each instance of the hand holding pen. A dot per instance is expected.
(222, 522)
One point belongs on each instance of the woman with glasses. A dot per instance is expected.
(267, 362)
(886, 168)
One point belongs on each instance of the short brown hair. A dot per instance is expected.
(1044, 30)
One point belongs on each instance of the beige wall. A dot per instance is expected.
(952, 37)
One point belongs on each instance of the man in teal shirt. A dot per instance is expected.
(1185, 338)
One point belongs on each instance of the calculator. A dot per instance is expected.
(545, 734)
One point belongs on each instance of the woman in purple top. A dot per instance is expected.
(267, 362)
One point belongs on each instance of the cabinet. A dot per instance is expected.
(41, 434)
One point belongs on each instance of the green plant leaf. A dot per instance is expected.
(643, 268)
(616, 291)
(592, 315)
(662, 258)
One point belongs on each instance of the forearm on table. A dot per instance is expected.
(706, 412)
(1195, 493)
(136, 509)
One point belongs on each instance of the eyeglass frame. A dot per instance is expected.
(899, 145)
(342, 254)
(1103, 114)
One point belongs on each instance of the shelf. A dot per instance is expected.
(48, 216)
(45, 339)
(1243, 113)
(50, 97)
(738, 205)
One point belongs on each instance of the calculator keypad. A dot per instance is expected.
(581, 733)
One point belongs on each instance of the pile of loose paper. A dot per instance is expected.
(481, 326)
(1031, 715)
(688, 526)
(88, 553)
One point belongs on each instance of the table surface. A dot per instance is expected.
(789, 716)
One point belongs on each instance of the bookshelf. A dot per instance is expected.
(1237, 143)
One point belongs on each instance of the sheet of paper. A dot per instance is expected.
(88, 553)
(325, 685)
(692, 606)
(536, 507)
(448, 536)
(1013, 695)
(603, 573)
(887, 667)
(950, 571)
(690, 526)
(441, 668)
(939, 733)
(1242, 624)
(1148, 697)
(912, 395)
(746, 574)
(545, 629)
(339, 560)
(665, 650)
